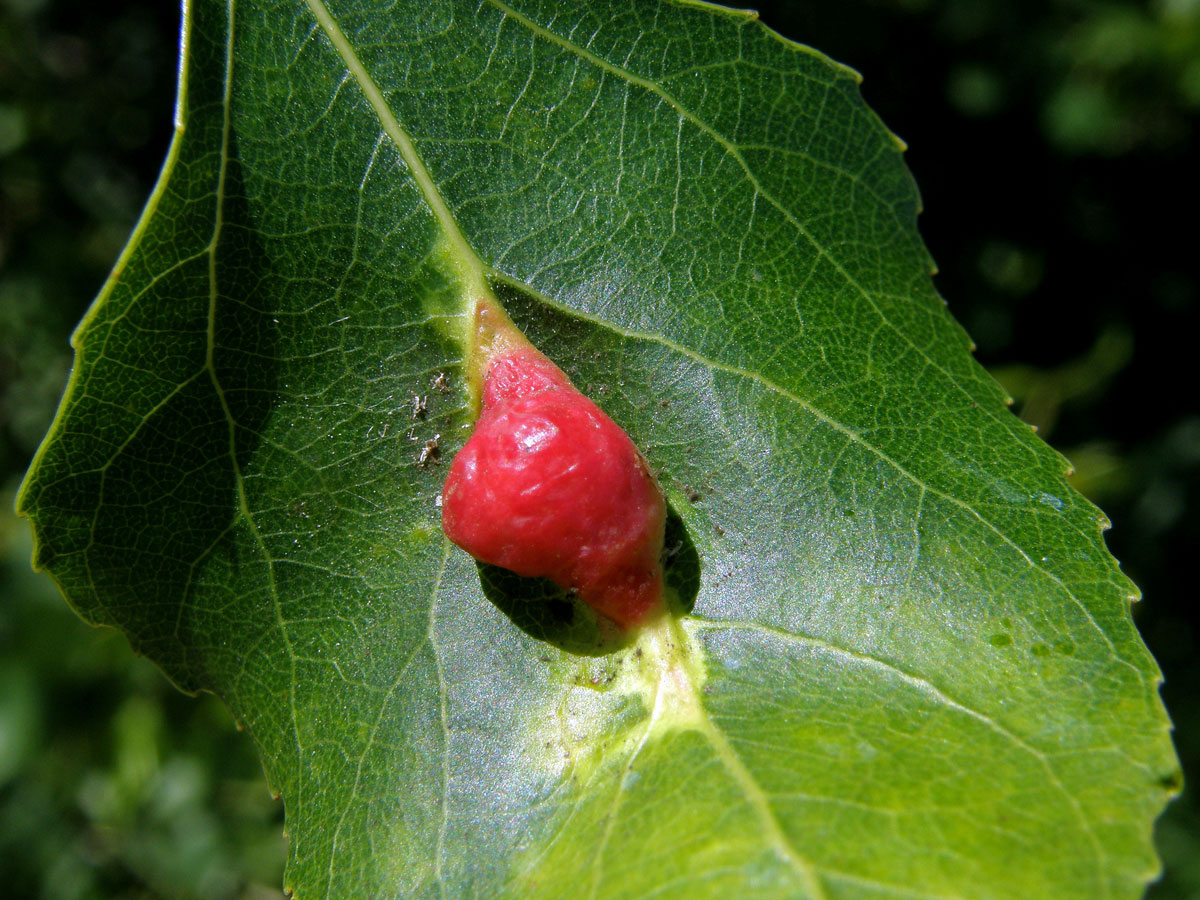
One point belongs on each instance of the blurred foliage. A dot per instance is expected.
(1051, 140)
(112, 783)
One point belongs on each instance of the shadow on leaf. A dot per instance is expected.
(549, 613)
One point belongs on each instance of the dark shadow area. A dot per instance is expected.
(549, 613)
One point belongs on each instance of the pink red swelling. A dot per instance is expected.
(551, 487)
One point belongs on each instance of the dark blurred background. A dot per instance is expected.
(1053, 141)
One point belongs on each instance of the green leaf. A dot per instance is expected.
(910, 670)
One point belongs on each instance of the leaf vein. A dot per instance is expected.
(930, 690)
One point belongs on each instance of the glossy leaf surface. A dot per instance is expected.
(910, 669)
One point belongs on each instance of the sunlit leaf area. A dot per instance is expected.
(901, 664)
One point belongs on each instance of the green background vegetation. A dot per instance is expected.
(1055, 146)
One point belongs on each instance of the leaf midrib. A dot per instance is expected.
(471, 267)
(475, 270)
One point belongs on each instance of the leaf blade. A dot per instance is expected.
(296, 287)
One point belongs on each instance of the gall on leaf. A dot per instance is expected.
(548, 486)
